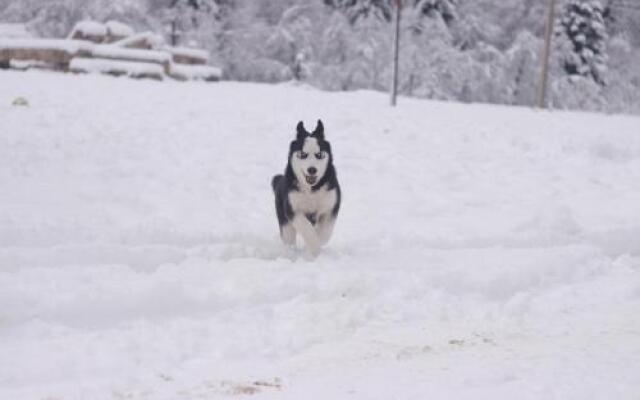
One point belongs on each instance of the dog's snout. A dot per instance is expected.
(312, 170)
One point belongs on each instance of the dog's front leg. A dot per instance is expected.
(288, 234)
(324, 227)
(308, 233)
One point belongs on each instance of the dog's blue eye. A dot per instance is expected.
(302, 155)
(320, 155)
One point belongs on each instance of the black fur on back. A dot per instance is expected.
(284, 184)
(283, 208)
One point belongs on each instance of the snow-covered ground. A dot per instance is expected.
(482, 252)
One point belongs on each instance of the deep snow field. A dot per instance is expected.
(482, 252)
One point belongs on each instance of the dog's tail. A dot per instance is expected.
(275, 182)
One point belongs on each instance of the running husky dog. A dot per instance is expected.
(308, 194)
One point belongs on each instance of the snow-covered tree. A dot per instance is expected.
(190, 22)
(522, 69)
(582, 24)
(54, 18)
(358, 9)
(292, 40)
(622, 92)
(445, 9)
(462, 50)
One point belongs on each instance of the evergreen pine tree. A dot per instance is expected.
(445, 9)
(582, 23)
(357, 9)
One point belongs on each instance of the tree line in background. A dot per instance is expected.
(462, 50)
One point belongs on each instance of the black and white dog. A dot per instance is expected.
(308, 194)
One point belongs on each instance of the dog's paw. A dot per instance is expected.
(311, 253)
(290, 252)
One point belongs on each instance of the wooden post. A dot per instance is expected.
(396, 53)
(544, 77)
(174, 32)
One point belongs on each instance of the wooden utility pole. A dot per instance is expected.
(544, 77)
(396, 53)
(174, 32)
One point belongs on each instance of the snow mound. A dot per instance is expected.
(113, 67)
(119, 29)
(195, 72)
(147, 40)
(87, 29)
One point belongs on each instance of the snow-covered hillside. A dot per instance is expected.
(481, 252)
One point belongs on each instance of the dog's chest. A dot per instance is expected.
(318, 202)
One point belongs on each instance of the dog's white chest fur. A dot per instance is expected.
(320, 202)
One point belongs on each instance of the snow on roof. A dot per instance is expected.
(68, 45)
(196, 72)
(89, 28)
(92, 65)
(14, 31)
(189, 52)
(117, 28)
(116, 52)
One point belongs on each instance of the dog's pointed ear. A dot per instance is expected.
(319, 131)
(301, 132)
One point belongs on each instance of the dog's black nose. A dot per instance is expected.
(312, 170)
